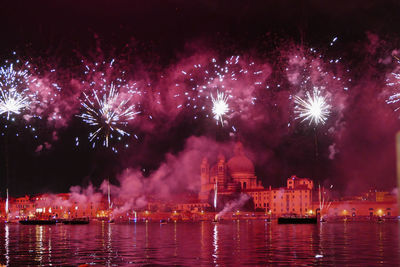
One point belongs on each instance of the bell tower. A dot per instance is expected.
(205, 179)
(221, 171)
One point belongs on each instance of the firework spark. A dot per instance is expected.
(220, 106)
(109, 114)
(12, 78)
(314, 108)
(12, 102)
(394, 98)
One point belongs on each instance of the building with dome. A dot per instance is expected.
(237, 175)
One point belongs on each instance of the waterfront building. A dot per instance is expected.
(237, 175)
(294, 199)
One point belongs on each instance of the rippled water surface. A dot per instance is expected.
(202, 243)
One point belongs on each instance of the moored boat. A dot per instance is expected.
(37, 222)
(297, 220)
(77, 221)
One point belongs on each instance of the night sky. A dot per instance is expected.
(154, 41)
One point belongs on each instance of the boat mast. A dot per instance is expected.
(215, 194)
(108, 194)
(7, 209)
(319, 197)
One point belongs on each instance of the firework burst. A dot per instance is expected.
(14, 90)
(314, 108)
(238, 78)
(220, 106)
(108, 114)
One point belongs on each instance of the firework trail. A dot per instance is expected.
(108, 114)
(313, 108)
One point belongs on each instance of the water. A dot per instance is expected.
(203, 243)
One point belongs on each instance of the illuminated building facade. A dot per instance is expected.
(370, 205)
(295, 198)
(60, 206)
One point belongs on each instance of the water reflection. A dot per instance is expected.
(39, 244)
(7, 243)
(204, 243)
(49, 246)
(109, 243)
(215, 243)
(175, 241)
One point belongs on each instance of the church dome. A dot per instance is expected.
(240, 164)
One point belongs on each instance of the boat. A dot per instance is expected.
(77, 221)
(37, 222)
(297, 220)
(163, 222)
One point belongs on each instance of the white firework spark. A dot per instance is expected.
(220, 106)
(12, 78)
(109, 114)
(12, 102)
(314, 108)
